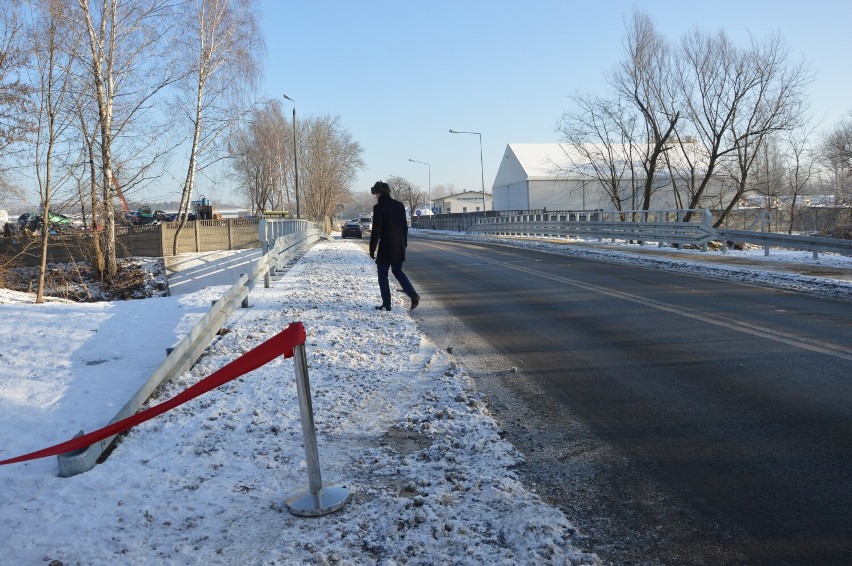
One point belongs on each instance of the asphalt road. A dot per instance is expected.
(675, 419)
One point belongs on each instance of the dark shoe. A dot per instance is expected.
(383, 308)
(415, 300)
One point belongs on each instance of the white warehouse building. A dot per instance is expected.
(553, 176)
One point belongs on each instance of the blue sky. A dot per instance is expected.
(401, 74)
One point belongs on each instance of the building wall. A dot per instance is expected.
(512, 197)
(465, 202)
(554, 195)
(550, 194)
(589, 194)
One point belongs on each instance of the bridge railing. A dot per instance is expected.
(662, 226)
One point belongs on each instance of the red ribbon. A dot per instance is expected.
(281, 343)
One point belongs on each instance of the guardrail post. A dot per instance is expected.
(706, 221)
(261, 233)
(245, 303)
(264, 250)
(764, 221)
(318, 500)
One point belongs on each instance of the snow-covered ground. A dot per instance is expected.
(399, 424)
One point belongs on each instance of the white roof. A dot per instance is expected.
(551, 161)
(536, 161)
(543, 160)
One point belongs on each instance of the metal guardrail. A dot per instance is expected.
(606, 224)
(272, 228)
(660, 230)
(686, 233)
(183, 356)
(813, 244)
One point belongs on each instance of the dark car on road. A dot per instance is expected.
(351, 230)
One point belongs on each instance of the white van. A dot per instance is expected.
(366, 221)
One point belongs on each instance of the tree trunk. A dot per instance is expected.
(189, 183)
(104, 102)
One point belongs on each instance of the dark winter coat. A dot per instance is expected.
(390, 231)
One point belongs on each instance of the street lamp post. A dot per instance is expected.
(481, 167)
(295, 155)
(430, 180)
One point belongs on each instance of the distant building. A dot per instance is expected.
(468, 201)
(553, 176)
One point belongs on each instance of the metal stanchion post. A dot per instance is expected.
(319, 499)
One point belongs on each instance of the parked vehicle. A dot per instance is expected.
(33, 222)
(351, 230)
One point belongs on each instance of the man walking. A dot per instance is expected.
(390, 236)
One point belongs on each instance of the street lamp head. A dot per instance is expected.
(288, 98)
(453, 132)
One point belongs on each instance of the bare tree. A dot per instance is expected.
(223, 44)
(734, 99)
(800, 168)
(443, 190)
(127, 66)
(784, 171)
(837, 144)
(620, 140)
(361, 201)
(15, 104)
(598, 132)
(774, 105)
(643, 81)
(836, 151)
(328, 160)
(411, 195)
(260, 153)
(52, 52)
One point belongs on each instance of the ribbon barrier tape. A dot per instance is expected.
(280, 344)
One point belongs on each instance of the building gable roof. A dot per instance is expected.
(532, 161)
(556, 161)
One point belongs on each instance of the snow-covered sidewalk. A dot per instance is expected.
(398, 424)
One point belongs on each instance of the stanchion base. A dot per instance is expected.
(328, 500)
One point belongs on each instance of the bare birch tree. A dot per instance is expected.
(127, 66)
(88, 137)
(222, 47)
(52, 52)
